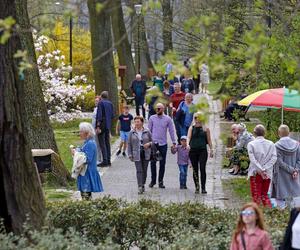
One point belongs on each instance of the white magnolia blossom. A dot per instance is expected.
(60, 93)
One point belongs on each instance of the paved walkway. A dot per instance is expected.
(119, 181)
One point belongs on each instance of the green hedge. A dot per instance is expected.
(150, 225)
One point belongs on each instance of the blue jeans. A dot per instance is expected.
(139, 101)
(183, 175)
(162, 164)
(183, 130)
(177, 127)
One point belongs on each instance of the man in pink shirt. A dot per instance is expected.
(158, 125)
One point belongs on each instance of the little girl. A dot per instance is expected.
(183, 160)
(250, 231)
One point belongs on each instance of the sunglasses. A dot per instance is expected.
(158, 109)
(247, 213)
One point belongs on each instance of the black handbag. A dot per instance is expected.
(155, 154)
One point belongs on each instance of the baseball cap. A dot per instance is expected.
(183, 137)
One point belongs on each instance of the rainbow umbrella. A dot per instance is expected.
(282, 98)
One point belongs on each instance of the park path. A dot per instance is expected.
(119, 181)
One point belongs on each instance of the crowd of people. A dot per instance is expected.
(143, 144)
(272, 168)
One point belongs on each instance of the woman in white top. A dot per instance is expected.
(292, 234)
(204, 77)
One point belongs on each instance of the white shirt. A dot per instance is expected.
(140, 133)
(296, 233)
(262, 155)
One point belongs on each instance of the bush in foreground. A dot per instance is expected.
(148, 224)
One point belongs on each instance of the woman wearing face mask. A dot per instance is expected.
(250, 233)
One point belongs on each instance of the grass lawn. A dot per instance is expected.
(239, 187)
(52, 194)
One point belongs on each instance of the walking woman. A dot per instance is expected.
(198, 138)
(139, 151)
(292, 234)
(90, 181)
(250, 231)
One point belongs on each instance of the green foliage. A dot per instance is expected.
(50, 239)
(148, 224)
(6, 26)
(87, 103)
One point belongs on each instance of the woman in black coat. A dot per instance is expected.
(287, 242)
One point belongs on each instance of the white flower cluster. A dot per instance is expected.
(60, 93)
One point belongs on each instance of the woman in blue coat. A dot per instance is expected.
(90, 182)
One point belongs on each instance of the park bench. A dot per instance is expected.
(125, 95)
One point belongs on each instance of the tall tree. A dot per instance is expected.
(121, 41)
(167, 9)
(102, 49)
(20, 191)
(38, 127)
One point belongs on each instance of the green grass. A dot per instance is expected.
(65, 135)
(239, 187)
(56, 195)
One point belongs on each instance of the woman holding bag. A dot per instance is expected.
(139, 151)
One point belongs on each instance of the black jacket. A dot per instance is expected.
(287, 242)
(134, 85)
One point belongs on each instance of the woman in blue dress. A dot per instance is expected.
(91, 181)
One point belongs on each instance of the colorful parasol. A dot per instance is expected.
(282, 98)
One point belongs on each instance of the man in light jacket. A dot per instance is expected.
(262, 155)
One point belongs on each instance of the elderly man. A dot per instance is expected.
(158, 125)
(240, 149)
(176, 98)
(262, 154)
(105, 114)
(139, 88)
(286, 180)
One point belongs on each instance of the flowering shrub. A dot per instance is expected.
(61, 93)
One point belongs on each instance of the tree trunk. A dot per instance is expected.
(102, 50)
(21, 195)
(121, 41)
(38, 127)
(167, 25)
(146, 63)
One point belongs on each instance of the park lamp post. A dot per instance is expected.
(138, 11)
(70, 42)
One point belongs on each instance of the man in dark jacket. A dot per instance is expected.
(105, 114)
(138, 88)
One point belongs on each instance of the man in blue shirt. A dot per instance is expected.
(138, 88)
(105, 114)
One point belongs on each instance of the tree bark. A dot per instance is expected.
(102, 50)
(21, 195)
(121, 41)
(38, 127)
(167, 25)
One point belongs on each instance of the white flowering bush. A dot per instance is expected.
(61, 93)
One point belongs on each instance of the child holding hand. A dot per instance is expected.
(183, 160)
